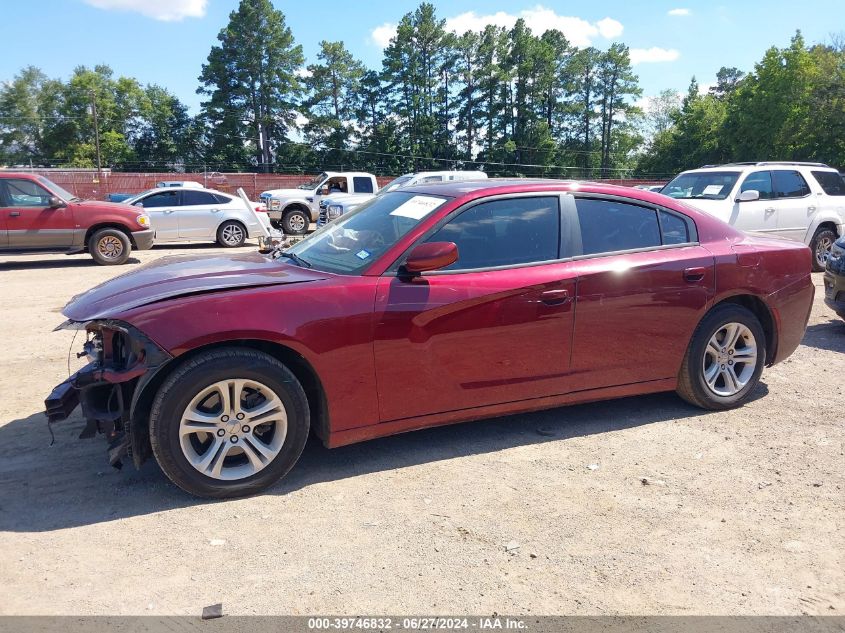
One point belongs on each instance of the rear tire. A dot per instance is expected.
(296, 222)
(228, 423)
(231, 234)
(109, 247)
(820, 245)
(724, 360)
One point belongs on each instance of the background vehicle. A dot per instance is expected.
(336, 205)
(799, 201)
(188, 184)
(292, 210)
(38, 216)
(649, 187)
(428, 306)
(834, 278)
(188, 213)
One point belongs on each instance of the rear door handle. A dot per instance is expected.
(811, 209)
(694, 274)
(555, 297)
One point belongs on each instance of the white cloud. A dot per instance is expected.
(302, 72)
(678, 12)
(164, 10)
(539, 19)
(382, 35)
(653, 55)
(609, 28)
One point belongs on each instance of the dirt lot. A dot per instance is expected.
(743, 514)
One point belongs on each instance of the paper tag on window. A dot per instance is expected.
(712, 190)
(417, 207)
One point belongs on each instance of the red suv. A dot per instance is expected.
(38, 216)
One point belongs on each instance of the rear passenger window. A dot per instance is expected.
(504, 233)
(608, 226)
(197, 197)
(832, 183)
(790, 184)
(759, 181)
(362, 184)
(673, 229)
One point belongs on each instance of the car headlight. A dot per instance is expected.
(274, 205)
(335, 211)
(143, 220)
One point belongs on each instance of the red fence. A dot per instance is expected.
(83, 182)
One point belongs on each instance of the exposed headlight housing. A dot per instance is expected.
(143, 220)
(335, 211)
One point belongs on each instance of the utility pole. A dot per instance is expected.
(96, 137)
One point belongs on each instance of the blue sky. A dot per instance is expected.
(167, 41)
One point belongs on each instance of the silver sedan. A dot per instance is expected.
(181, 214)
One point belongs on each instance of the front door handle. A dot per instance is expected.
(770, 210)
(811, 209)
(215, 210)
(694, 274)
(555, 297)
(14, 214)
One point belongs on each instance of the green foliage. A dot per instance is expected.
(791, 107)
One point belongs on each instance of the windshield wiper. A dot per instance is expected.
(296, 259)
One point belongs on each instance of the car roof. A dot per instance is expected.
(495, 186)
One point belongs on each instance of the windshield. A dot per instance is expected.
(312, 184)
(64, 194)
(708, 185)
(355, 240)
(396, 183)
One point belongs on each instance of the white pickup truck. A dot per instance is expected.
(292, 210)
(335, 205)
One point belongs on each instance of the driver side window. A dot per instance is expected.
(759, 181)
(163, 199)
(25, 193)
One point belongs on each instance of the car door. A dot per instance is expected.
(643, 284)
(199, 214)
(756, 215)
(494, 327)
(31, 223)
(162, 207)
(796, 207)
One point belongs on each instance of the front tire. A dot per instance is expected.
(109, 247)
(229, 423)
(296, 222)
(724, 360)
(820, 245)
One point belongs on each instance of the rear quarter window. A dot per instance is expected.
(831, 182)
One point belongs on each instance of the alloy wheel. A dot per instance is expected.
(232, 234)
(730, 359)
(297, 222)
(823, 246)
(233, 429)
(109, 247)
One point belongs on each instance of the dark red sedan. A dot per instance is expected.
(440, 304)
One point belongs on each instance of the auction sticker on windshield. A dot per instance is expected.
(712, 190)
(417, 207)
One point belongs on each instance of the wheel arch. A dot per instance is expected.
(763, 313)
(109, 225)
(300, 367)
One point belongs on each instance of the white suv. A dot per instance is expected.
(800, 201)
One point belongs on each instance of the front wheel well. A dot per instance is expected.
(109, 225)
(296, 363)
(764, 315)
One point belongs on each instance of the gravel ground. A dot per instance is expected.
(742, 512)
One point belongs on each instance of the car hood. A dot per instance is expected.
(115, 206)
(288, 193)
(717, 208)
(176, 276)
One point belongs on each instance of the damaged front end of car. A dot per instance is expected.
(122, 360)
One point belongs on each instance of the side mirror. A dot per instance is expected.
(56, 203)
(430, 256)
(749, 196)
